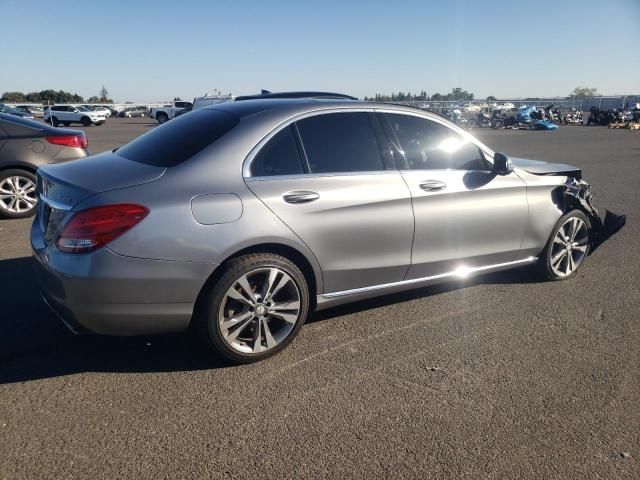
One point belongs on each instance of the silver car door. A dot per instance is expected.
(341, 198)
(466, 215)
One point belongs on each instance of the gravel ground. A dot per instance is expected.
(495, 377)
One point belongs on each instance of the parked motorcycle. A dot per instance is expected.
(574, 117)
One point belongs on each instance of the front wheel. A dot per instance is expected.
(86, 121)
(567, 247)
(55, 122)
(255, 308)
(162, 118)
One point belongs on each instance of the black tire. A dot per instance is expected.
(4, 212)
(86, 121)
(162, 118)
(55, 122)
(550, 250)
(211, 304)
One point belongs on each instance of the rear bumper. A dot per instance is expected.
(106, 293)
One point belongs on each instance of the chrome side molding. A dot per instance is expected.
(460, 272)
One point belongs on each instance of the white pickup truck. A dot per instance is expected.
(166, 113)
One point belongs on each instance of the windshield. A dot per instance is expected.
(83, 109)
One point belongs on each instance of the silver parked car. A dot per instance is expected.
(244, 216)
(24, 146)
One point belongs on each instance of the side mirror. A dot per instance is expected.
(501, 164)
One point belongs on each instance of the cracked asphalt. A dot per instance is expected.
(498, 376)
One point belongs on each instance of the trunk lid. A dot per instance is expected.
(63, 186)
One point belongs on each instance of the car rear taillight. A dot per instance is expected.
(93, 228)
(79, 141)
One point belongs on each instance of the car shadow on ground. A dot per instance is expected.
(34, 344)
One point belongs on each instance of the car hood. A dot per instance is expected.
(543, 168)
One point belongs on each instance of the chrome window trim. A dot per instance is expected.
(445, 123)
(460, 272)
(246, 165)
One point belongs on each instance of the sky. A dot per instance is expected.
(147, 51)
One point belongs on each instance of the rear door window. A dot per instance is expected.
(280, 156)
(180, 139)
(341, 142)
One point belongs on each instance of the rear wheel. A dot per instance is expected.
(86, 121)
(255, 309)
(567, 247)
(17, 193)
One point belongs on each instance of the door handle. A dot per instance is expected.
(300, 196)
(432, 185)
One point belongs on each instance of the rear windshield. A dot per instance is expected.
(179, 139)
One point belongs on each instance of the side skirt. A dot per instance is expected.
(345, 296)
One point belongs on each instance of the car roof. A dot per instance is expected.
(247, 108)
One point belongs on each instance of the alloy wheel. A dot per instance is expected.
(259, 310)
(17, 194)
(569, 247)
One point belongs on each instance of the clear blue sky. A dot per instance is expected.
(144, 50)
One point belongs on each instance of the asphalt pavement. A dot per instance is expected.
(499, 376)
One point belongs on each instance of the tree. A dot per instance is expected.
(94, 99)
(177, 99)
(33, 97)
(437, 97)
(12, 97)
(104, 95)
(582, 92)
(491, 98)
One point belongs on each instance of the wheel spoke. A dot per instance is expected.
(559, 238)
(577, 224)
(283, 281)
(257, 336)
(233, 321)
(567, 268)
(244, 283)
(287, 317)
(231, 336)
(581, 247)
(557, 258)
(267, 334)
(279, 307)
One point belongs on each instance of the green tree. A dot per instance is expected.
(12, 97)
(94, 99)
(177, 99)
(582, 92)
(491, 98)
(104, 95)
(33, 97)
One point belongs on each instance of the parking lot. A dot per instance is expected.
(499, 376)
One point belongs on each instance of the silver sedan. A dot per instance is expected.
(243, 217)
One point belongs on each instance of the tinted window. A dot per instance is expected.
(280, 156)
(428, 145)
(180, 139)
(340, 142)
